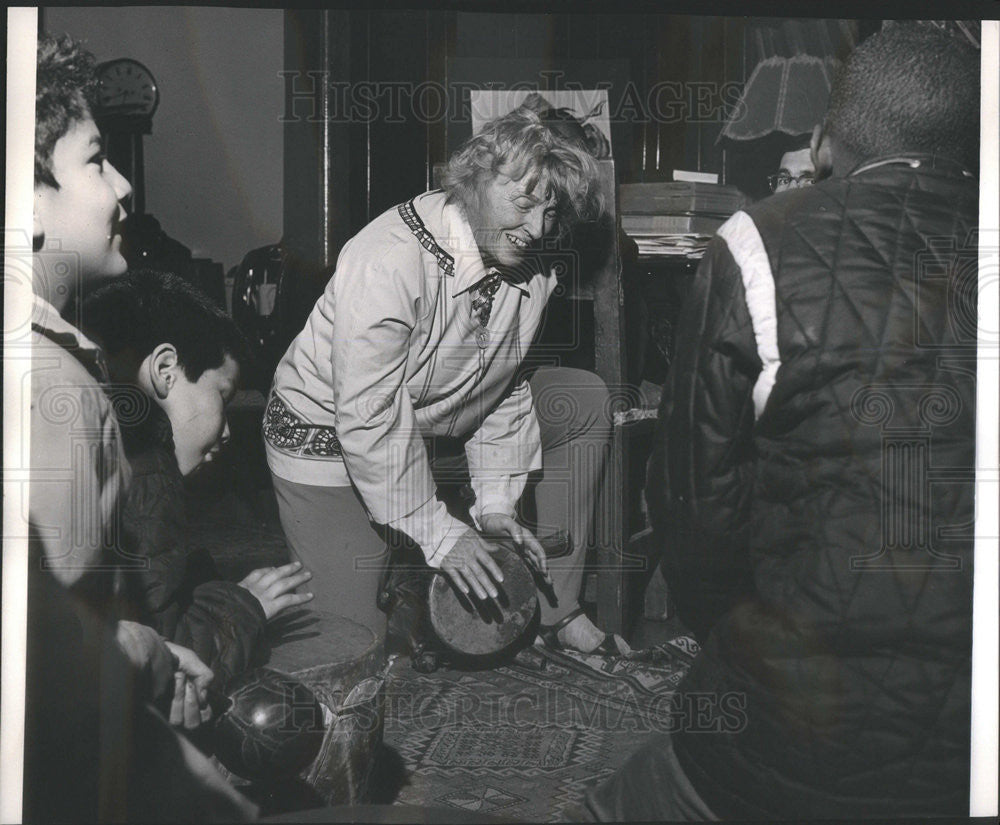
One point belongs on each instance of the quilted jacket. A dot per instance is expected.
(180, 593)
(812, 484)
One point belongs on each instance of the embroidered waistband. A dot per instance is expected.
(285, 431)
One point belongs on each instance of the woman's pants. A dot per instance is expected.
(328, 531)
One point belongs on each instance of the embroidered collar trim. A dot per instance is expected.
(426, 239)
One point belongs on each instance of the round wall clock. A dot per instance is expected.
(126, 88)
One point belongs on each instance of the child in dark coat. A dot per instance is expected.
(175, 359)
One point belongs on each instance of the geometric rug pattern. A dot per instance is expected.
(525, 740)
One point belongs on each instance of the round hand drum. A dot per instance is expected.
(271, 727)
(475, 627)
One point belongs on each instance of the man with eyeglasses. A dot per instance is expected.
(796, 168)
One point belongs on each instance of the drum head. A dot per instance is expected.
(473, 627)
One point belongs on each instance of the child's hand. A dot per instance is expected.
(191, 679)
(273, 587)
(149, 654)
(163, 663)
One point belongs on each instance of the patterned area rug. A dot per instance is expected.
(525, 740)
(520, 742)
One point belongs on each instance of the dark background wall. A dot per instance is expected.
(307, 124)
(396, 95)
(213, 161)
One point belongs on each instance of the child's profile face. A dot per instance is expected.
(197, 413)
(83, 215)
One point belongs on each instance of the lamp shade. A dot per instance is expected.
(784, 94)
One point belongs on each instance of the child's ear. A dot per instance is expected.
(160, 369)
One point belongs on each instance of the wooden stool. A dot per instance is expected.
(345, 665)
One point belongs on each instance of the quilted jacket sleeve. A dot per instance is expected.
(219, 620)
(700, 473)
(154, 518)
(222, 624)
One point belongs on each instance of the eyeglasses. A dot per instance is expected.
(784, 180)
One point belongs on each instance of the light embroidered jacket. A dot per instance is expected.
(389, 356)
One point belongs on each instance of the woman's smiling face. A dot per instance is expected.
(509, 216)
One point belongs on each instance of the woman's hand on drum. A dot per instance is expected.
(499, 524)
(470, 563)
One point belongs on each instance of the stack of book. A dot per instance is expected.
(676, 218)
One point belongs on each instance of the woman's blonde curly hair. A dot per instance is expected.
(525, 142)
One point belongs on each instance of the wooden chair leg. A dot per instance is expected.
(610, 536)
(618, 565)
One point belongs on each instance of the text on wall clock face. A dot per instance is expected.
(126, 87)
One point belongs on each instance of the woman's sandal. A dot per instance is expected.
(549, 634)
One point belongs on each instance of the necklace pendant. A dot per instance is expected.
(482, 337)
